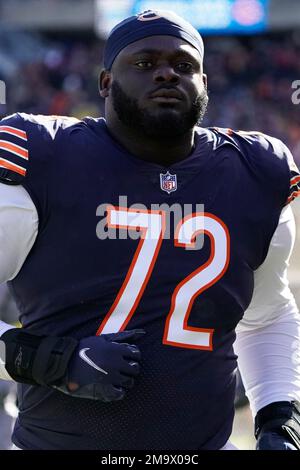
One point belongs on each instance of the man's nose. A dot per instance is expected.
(165, 73)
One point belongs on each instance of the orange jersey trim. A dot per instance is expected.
(15, 149)
(14, 131)
(11, 166)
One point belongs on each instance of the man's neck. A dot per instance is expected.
(163, 152)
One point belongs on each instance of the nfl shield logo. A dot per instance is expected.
(168, 182)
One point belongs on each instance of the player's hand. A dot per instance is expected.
(277, 426)
(99, 367)
(103, 367)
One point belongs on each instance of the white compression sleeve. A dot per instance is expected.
(269, 361)
(268, 337)
(18, 229)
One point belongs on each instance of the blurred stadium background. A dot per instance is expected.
(51, 55)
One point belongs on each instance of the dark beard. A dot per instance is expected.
(167, 125)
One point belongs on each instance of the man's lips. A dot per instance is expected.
(165, 95)
(165, 99)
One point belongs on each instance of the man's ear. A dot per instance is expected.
(204, 78)
(105, 79)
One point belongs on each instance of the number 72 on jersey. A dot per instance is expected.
(152, 225)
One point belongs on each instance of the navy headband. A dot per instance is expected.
(149, 23)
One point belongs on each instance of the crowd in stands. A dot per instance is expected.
(249, 81)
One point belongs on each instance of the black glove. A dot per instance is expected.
(103, 367)
(277, 426)
(99, 367)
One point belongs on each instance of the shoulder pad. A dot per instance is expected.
(50, 125)
(23, 140)
(270, 156)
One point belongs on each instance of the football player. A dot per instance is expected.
(127, 341)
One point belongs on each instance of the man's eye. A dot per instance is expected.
(143, 64)
(184, 67)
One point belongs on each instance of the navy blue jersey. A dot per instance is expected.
(77, 281)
